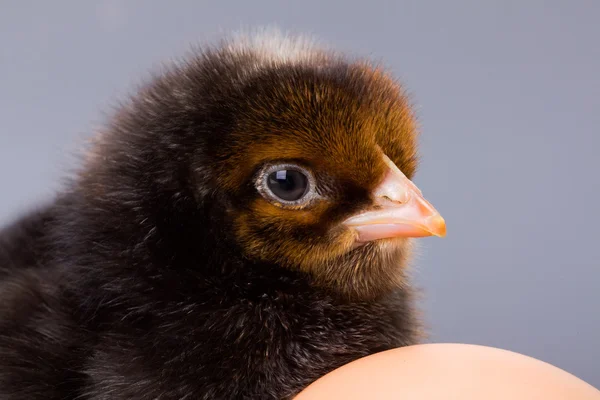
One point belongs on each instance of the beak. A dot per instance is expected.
(401, 211)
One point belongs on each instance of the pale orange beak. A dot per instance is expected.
(401, 211)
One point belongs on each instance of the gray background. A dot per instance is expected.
(508, 95)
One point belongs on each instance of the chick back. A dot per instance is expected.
(40, 342)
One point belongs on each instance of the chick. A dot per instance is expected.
(239, 229)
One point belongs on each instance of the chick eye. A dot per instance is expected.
(288, 185)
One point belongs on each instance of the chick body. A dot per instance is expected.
(162, 272)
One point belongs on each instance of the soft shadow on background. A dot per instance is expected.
(508, 95)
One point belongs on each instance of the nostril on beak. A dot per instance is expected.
(387, 199)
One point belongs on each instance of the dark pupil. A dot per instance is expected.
(288, 185)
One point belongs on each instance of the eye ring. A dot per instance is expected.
(262, 185)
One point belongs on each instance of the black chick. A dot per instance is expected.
(239, 230)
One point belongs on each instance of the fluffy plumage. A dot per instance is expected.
(161, 272)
